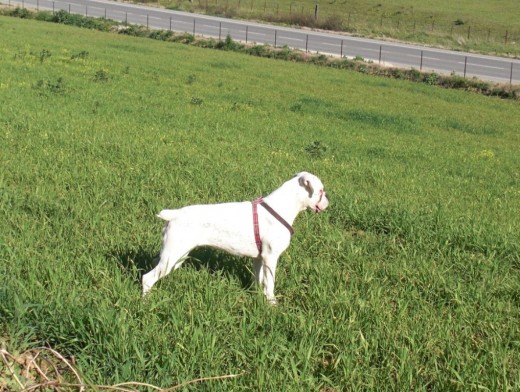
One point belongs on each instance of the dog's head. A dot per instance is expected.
(316, 199)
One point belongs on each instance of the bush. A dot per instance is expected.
(229, 44)
(160, 35)
(64, 17)
(133, 30)
(432, 79)
(22, 13)
(257, 50)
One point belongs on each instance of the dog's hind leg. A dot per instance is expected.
(172, 256)
(258, 267)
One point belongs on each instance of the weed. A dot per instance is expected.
(432, 79)
(43, 55)
(316, 149)
(101, 76)
(54, 87)
(192, 78)
(196, 101)
(229, 44)
(80, 55)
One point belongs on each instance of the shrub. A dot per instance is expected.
(229, 44)
(184, 38)
(19, 12)
(134, 31)
(257, 50)
(432, 79)
(160, 35)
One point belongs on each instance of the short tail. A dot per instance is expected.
(167, 215)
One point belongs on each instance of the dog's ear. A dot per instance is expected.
(305, 181)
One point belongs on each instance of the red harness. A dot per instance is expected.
(256, 227)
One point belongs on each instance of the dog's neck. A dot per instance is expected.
(279, 201)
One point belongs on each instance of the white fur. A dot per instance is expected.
(229, 226)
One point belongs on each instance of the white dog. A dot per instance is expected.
(240, 228)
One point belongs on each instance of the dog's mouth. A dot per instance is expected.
(317, 208)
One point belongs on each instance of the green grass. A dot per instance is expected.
(409, 281)
(483, 26)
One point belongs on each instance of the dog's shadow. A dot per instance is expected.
(140, 261)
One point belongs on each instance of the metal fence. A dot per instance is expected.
(405, 56)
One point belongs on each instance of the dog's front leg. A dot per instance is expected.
(267, 276)
(258, 266)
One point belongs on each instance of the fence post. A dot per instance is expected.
(422, 53)
(193, 26)
(275, 34)
(247, 30)
(380, 50)
(147, 21)
(170, 23)
(465, 65)
(341, 51)
(105, 13)
(219, 31)
(511, 76)
(307, 43)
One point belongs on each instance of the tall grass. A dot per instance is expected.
(409, 281)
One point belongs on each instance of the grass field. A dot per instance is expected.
(409, 281)
(484, 26)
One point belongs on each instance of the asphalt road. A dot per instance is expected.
(490, 68)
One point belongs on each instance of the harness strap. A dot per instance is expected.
(256, 227)
(255, 224)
